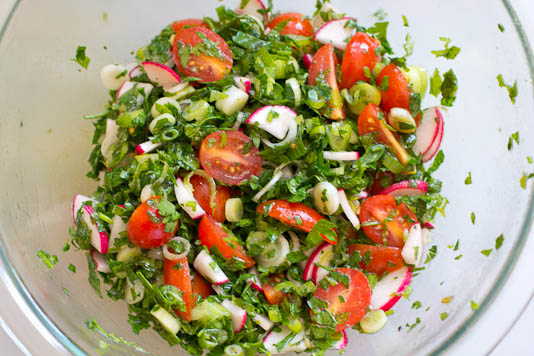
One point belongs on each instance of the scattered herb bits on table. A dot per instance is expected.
(262, 182)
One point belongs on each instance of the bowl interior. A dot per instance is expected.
(45, 145)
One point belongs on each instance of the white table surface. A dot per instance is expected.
(519, 339)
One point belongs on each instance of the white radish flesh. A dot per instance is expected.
(251, 9)
(167, 117)
(434, 148)
(318, 21)
(243, 83)
(263, 322)
(99, 239)
(297, 344)
(374, 321)
(239, 315)
(274, 253)
(77, 203)
(113, 76)
(348, 210)
(324, 258)
(135, 292)
(336, 32)
(275, 119)
(232, 100)
(166, 319)
(146, 147)
(325, 198)
(128, 85)
(342, 343)
(187, 200)
(388, 290)
(146, 193)
(341, 156)
(310, 264)
(161, 75)
(291, 135)
(167, 102)
(110, 137)
(255, 279)
(406, 188)
(117, 227)
(412, 252)
(100, 262)
(429, 133)
(209, 269)
(134, 70)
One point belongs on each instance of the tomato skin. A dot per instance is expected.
(325, 62)
(211, 233)
(201, 192)
(357, 298)
(181, 279)
(221, 155)
(177, 26)
(272, 295)
(379, 207)
(286, 212)
(387, 177)
(384, 259)
(297, 24)
(398, 93)
(205, 67)
(200, 286)
(142, 231)
(360, 53)
(369, 122)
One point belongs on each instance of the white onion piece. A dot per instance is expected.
(111, 76)
(173, 256)
(341, 156)
(267, 187)
(295, 87)
(295, 241)
(281, 250)
(238, 121)
(147, 193)
(187, 200)
(325, 198)
(291, 135)
(347, 209)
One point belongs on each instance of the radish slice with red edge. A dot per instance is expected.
(263, 322)
(307, 59)
(251, 9)
(336, 32)
(328, 9)
(275, 119)
(243, 83)
(110, 137)
(146, 147)
(297, 344)
(388, 290)
(406, 188)
(100, 262)
(160, 74)
(218, 289)
(117, 227)
(99, 239)
(314, 258)
(429, 133)
(187, 200)
(342, 343)
(429, 225)
(77, 203)
(255, 279)
(347, 209)
(135, 72)
(412, 251)
(323, 258)
(239, 315)
(209, 269)
(128, 85)
(428, 155)
(341, 156)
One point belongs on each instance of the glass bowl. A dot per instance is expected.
(45, 144)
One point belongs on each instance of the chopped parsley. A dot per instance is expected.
(513, 138)
(512, 89)
(449, 87)
(49, 260)
(499, 241)
(447, 52)
(474, 305)
(72, 268)
(416, 305)
(468, 180)
(380, 14)
(486, 252)
(431, 253)
(444, 316)
(81, 58)
(473, 218)
(524, 178)
(435, 83)
(501, 27)
(405, 21)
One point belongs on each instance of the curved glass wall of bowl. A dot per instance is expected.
(45, 145)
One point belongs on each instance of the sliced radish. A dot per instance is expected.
(341, 156)
(100, 262)
(146, 193)
(342, 343)
(218, 289)
(323, 258)
(291, 135)
(429, 225)
(347, 209)
(361, 195)
(255, 279)
(243, 83)
(110, 137)
(412, 252)
(275, 119)
(209, 269)
(251, 9)
(406, 188)
(99, 239)
(161, 74)
(117, 227)
(263, 322)
(314, 258)
(429, 133)
(146, 147)
(128, 85)
(232, 100)
(135, 72)
(307, 59)
(77, 203)
(388, 290)
(318, 21)
(187, 200)
(297, 344)
(336, 32)
(239, 315)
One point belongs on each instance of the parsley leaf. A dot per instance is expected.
(498, 241)
(81, 58)
(501, 27)
(381, 14)
(448, 52)
(323, 228)
(435, 83)
(405, 21)
(431, 254)
(444, 316)
(512, 89)
(449, 87)
(474, 305)
(47, 259)
(473, 218)
(468, 180)
(513, 137)
(486, 252)
(524, 179)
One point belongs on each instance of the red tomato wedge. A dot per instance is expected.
(211, 233)
(379, 207)
(360, 53)
(230, 157)
(352, 307)
(369, 121)
(398, 93)
(199, 52)
(273, 296)
(201, 286)
(202, 194)
(293, 214)
(297, 24)
(146, 228)
(325, 62)
(177, 26)
(383, 258)
(176, 273)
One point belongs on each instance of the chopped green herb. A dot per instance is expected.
(512, 89)
(524, 179)
(444, 316)
(81, 58)
(468, 180)
(416, 305)
(513, 137)
(498, 241)
(47, 259)
(381, 14)
(473, 218)
(458, 257)
(105, 16)
(486, 252)
(405, 21)
(435, 83)
(72, 268)
(449, 87)
(431, 253)
(501, 27)
(474, 305)
(448, 52)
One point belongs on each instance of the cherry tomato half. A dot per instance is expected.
(211, 233)
(230, 157)
(398, 93)
(177, 26)
(146, 228)
(273, 296)
(176, 273)
(201, 53)
(360, 54)
(200, 286)
(325, 62)
(297, 24)
(383, 259)
(382, 210)
(352, 306)
(202, 193)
